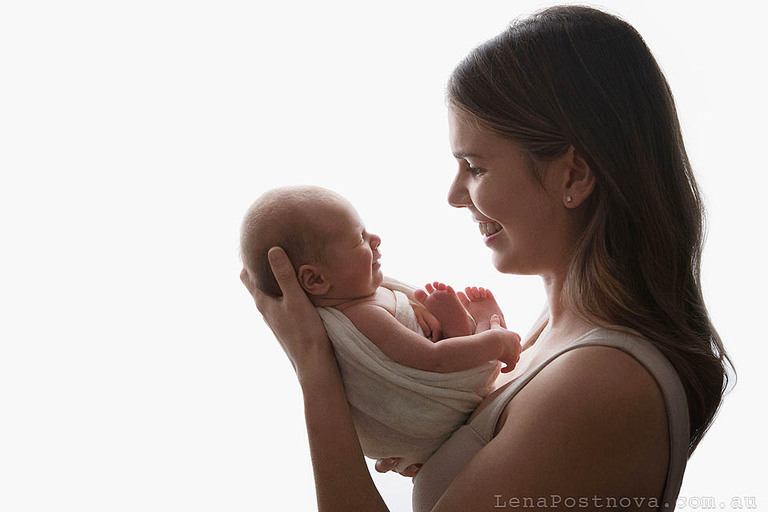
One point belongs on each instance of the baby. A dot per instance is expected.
(413, 371)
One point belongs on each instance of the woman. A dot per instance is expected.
(570, 153)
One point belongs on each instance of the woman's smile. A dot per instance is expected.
(490, 230)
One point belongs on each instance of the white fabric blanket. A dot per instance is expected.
(401, 411)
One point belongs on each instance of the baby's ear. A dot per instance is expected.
(312, 280)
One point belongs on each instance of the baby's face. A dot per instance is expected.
(351, 255)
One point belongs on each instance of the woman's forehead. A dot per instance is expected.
(470, 139)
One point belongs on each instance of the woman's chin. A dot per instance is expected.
(500, 263)
(504, 264)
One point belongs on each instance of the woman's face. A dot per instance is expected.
(522, 221)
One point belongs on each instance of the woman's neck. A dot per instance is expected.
(558, 312)
(563, 324)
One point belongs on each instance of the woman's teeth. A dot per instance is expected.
(490, 228)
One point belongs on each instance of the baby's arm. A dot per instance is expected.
(449, 355)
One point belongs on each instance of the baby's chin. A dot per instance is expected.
(379, 278)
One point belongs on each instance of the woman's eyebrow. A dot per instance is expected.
(461, 155)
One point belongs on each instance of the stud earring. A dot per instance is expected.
(568, 199)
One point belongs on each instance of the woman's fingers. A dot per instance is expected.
(284, 272)
(292, 318)
(261, 299)
(246, 279)
(386, 465)
(285, 276)
(411, 470)
(389, 464)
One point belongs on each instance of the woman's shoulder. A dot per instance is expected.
(591, 422)
(596, 376)
(597, 349)
(591, 417)
(609, 371)
(595, 407)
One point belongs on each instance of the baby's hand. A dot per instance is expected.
(511, 341)
(427, 321)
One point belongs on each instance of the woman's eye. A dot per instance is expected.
(475, 171)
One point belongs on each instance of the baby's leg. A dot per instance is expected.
(481, 305)
(445, 305)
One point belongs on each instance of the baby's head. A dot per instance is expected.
(334, 257)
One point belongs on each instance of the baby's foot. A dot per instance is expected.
(481, 305)
(445, 305)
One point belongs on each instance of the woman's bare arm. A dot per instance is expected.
(591, 425)
(342, 480)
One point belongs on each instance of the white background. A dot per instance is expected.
(135, 373)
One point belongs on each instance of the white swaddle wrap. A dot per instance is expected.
(401, 411)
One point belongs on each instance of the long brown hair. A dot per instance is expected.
(576, 76)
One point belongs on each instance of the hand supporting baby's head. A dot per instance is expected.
(287, 217)
(335, 258)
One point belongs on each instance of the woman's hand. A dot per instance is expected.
(292, 317)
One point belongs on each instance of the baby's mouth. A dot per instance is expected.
(490, 228)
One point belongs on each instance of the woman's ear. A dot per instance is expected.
(579, 181)
(312, 280)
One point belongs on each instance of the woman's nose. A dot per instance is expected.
(458, 196)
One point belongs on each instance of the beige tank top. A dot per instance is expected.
(447, 462)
